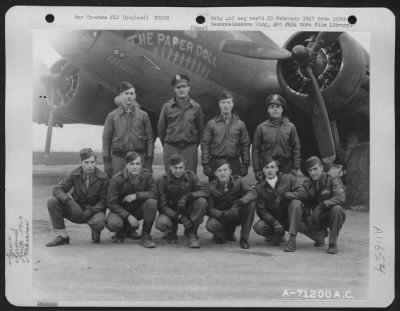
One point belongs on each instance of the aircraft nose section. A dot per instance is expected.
(73, 42)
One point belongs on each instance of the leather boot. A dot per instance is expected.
(96, 237)
(118, 237)
(332, 248)
(291, 244)
(218, 239)
(59, 240)
(132, 234)
(244, 243)
(319, 238)
(171, 236)
(147, 241)
(193, 240)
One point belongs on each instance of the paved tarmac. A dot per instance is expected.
(125, 272)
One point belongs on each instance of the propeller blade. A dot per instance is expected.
(324, 39)
(49, 133)
(320, 120)
(255, 50)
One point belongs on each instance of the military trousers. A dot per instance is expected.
(290, 218)
(284, 165)
(188, 152)
(146, 211)
(332, 218)
(245, 220)
(58, 211)
(194, 211)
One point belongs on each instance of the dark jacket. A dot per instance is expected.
(225, 140)
(276, 141)
(94, 196)
(171, 189)
(326, 192)
(222, 200)
(125, 132)
(122, 184)
(177, 125)
(268, 200)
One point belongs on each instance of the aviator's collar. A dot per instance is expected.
(122, 109)
(79, 172)
(188, 101)
(322, 179)
(220, 117)
(220, 185)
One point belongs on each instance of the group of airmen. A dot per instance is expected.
(283, 200)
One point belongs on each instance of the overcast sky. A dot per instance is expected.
(73, 137)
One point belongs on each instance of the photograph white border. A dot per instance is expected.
(379, 22)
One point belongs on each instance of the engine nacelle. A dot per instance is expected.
(74, 94)
(341, 69)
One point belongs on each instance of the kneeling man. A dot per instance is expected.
(131, 197)
(181, 200)
(277, 210)
(86, 203)
(225, 209)
(324, 197)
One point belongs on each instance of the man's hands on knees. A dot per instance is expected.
(278, 227)
(186, 222)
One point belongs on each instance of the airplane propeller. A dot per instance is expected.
(58, 84)
(307, 58)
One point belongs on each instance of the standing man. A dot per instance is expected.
(181, 200)
(131, 197)
(87, 202)
(225, 209)
(324, 197)
(276, 137)
(278, 211)
(180, 126)
(225, 137)
(127, 128)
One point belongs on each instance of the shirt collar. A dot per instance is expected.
(321, 180)
(123, 111)
(272, 182)
(221, 186)
(220, 117)
(172, 178)
(188, 101)
(97, 173)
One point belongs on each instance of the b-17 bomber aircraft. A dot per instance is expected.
(324, 77)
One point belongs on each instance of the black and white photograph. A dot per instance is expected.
(198, 167)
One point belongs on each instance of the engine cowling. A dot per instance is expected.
(78, 98)
(341, 69)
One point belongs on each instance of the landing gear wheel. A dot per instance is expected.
(357, 177)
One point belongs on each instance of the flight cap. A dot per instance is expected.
(86, 153)
(276, 99)
(268, 159)
(131, 156)
(179, 79)
(225, 95)
(125, 85)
